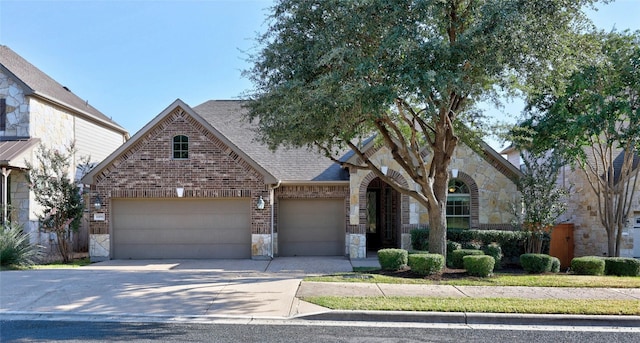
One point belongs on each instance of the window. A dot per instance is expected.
(458, 205)
(180, 147)
(3, 114)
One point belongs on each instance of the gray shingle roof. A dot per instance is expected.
(228, 117)
(43, 85)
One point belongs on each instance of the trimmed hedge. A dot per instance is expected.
(456, 259)
(588, 265)
(536, 263)
(622, 266)
(494, 250)
(479, 265)
(555, 265)
(512, 243)
(426, 264)
(392, 259)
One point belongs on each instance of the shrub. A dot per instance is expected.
(15, 248)
(453, 246)
(622, 266)
(426, 264)
(512, 243)
(456, 260)
(588, 265)
(555, 265)
(494, 251)
(479, 265)
(536, 263)
(420, 239)
(392, 259)
(473, 245)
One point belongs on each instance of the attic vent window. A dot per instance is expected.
(3, 114)
(180, 147)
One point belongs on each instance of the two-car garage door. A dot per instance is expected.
(181, 228)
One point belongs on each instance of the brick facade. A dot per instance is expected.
(147, 170)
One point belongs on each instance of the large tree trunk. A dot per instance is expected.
(438, 229)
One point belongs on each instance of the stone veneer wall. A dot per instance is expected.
(17, 108)
(492, 193)
(213, 170)
(589, 235)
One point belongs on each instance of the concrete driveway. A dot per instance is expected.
(242, 288)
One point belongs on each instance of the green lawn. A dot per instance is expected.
(52, 265)
(484, 305)
(530, 280)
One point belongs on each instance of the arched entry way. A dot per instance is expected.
(383, 216)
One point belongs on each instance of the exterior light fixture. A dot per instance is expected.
(454, 173)
(97, 202)
(384, 170)
(260, 204)
(180, 191)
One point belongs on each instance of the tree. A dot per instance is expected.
(58, 194)
(595, 122)
(542, 200)
(331, 73)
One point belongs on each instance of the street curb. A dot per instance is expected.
(470, 318)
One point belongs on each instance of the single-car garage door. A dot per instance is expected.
(311, 227)
(181, 228)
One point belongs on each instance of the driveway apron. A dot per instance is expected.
(244, 288)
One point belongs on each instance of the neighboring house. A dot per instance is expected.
(590, 237)
(35, 109)
(195, 183)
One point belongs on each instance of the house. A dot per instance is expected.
(196, 183)
(35, 109)
(588, 234)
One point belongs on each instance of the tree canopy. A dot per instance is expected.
(331, 73)
(595, 123)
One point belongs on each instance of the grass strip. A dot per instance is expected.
(483, 305)
(529, 280)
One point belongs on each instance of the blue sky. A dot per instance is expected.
(132, 58)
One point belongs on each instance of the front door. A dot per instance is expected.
(382, 219)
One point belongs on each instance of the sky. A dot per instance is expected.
(132, 58)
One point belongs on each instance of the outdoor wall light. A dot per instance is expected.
(180, 191)
(260, 204)
(384, 170)
(454, 173)
(97, 202)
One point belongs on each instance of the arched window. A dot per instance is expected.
(180, 147)
(458, 205)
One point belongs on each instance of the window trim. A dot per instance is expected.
(180, 153)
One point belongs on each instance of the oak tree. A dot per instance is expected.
(328, 74)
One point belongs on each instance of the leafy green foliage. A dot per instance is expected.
(15, 248)
(392, 259)
(479, 265)
(494, 250)
(456, 259)
(57, 193)
(622, 266)
(555, 264)
(542, 200)
(536, 263)
(588, 265)
(426, 264)
(330, 74)
(594, 122)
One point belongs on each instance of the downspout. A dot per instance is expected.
(271, 201)
(5, 192)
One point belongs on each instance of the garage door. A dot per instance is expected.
(311, 227)
(181, 228)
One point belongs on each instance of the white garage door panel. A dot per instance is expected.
(181, 228)
(311, 227)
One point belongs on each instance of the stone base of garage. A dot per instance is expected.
(357, 245)
(99, 247)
